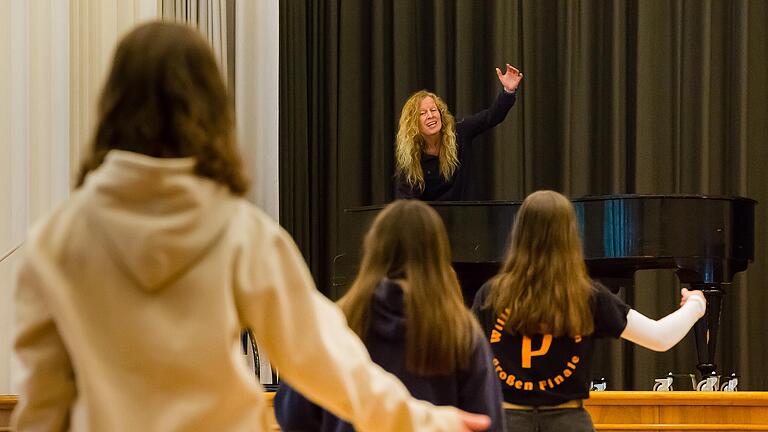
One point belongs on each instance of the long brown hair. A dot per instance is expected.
(165, 97)
(543, 282)
(409, 144)
(408, 241)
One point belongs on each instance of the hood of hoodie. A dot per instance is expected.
(388, 311)
(154, 216)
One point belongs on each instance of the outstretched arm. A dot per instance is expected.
(661, 335)
(488, 118)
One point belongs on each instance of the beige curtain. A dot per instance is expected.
(256, 96)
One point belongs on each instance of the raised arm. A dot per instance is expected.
(490, 117)
(308, 340)
(663, 334)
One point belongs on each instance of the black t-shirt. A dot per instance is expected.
(546, 370)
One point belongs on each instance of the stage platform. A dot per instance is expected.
(678, 411)
(641, 411)
(6, 406)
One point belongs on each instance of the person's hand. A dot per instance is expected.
(473, 422)
(686, 294)
(510, 79)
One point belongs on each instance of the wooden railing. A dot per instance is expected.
(678, 411)
(6, 406)
(635, 411)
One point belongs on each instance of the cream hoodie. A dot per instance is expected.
(131, 300)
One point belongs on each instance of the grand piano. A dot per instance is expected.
(705, 239)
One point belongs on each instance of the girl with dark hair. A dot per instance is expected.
(133, 293)
(541, 313)
(406, 305)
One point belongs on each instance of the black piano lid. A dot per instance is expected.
(579, 199)
(620, 232)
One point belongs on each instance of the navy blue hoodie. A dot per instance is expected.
(475, 389)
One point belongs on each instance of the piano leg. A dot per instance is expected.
(705, 330)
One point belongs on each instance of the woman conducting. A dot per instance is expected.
(430, 147)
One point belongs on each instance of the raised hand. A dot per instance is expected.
(510, 79)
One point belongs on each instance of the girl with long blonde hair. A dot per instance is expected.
(407, 307)
(430, 144)
(542, 312)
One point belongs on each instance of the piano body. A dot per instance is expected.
(706, 239)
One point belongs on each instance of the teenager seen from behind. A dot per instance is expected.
(133, 293)
(541, 314)
(406, 305)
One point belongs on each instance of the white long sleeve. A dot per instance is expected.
(661, 335)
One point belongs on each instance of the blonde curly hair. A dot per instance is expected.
(409, 144)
